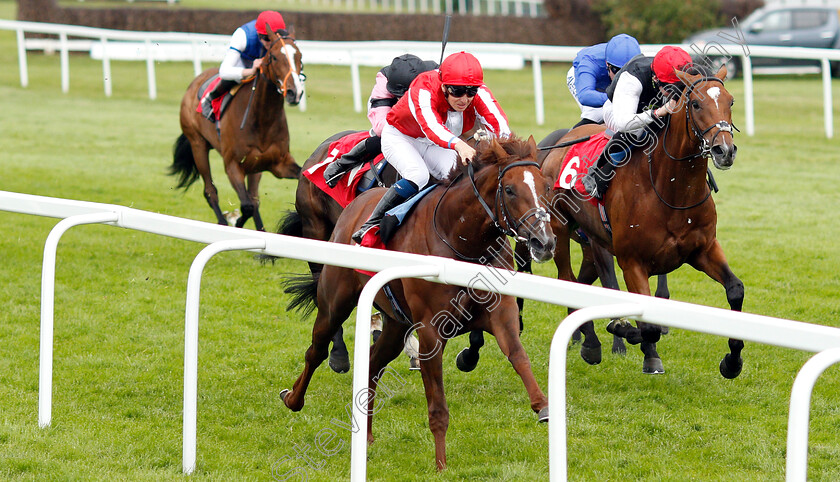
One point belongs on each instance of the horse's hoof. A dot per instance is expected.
(466, 361)
(283, 394)
(542, 416)
(591, 355)
(619, 327)
(664, 330)
(729, 369)
(653, 366)
(618, 347)
(375, 334)
(339, 362)
(413, 364)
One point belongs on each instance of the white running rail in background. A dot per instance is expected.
(591, 302)
(171, 46)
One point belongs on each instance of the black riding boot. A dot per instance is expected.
(395, 196)
(598, 178)
(361, 153)
(207, 101)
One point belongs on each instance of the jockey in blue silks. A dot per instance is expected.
(592, 72)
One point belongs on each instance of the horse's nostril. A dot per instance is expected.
(718, 151)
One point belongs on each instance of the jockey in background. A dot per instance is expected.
(592, 72)
(391, 83)
(248, 45)
(645, 90)
(421, 139)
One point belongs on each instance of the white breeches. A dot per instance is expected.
(416, 159)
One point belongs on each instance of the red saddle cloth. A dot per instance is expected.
(345, 191)
(217, 102)
(579, 158)
(371, 239)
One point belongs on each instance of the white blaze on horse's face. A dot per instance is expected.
(714, 93)
(541, 228)
(289, 51)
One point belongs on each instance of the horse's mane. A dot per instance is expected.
(486, 156)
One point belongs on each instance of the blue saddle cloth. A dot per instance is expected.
(394, 218)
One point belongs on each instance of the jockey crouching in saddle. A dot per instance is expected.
(592, 72)
(421, 139)
(391, 84)
(243, 58)
(644, 91)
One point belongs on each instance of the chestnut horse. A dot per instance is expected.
(252, 135)
(467, 220)
(660, 208)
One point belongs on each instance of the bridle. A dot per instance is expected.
(700, 134)
(690, 123)
(264, 68)
(506, 226)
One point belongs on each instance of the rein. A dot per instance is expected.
(507, 230)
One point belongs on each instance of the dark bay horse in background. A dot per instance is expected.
(314, 217)
(253, 136)
(660, 209)
(454, 223)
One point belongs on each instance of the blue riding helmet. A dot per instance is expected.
(622, 48)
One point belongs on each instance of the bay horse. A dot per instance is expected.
(660, 208)
(252, 135)
(314, 217)
(467, 220)
(597, 263)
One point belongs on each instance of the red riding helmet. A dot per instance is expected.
(666, 61)
(274, 20)
(461, 69)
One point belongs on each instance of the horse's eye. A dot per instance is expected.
(695, 105)
(508, 191)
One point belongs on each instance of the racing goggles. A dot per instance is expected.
(462, 90)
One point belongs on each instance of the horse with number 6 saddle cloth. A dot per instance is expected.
(579, 158)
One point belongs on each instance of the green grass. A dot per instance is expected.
(120, 309)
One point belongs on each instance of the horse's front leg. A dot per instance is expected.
(502, 322)
(604, 266)
(254, 198)
(201, 155)
(386, 348)
(713, 262)
(647, 334)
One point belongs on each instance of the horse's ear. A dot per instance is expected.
(532, 146)
(291, 31)
(271, 33)
(721, 73)
(686, 78)
(497, 148)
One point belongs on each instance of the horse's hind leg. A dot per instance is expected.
(334, 306)
(604, 267)
(253, 202)
(387, 347)
(201, 154)
(713, 263)
(646, 333)
(339, 357)
(662, 291)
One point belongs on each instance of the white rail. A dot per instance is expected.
(593, 302)
(163, 46)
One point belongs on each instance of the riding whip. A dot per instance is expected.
(445, 37)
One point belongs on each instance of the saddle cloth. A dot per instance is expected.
(579, 158)
(219, 103)
(351, 183)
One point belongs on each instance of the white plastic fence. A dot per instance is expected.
(593, 303)
(163, 46)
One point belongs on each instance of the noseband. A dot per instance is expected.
(264, 69)
(510, 228)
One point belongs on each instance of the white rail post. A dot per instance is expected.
(800, 403)
(539, 103)
(361, 358)
(106, 67)
(24, 71)
(47, 307)
(746, 65)
(191, 338)
(827, 102)
(65, 62)
(557, 378)
(150, 70)
(196, 48)
(354, 77)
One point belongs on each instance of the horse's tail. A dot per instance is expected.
(304, 290)
(183, 164)
(290, 225)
